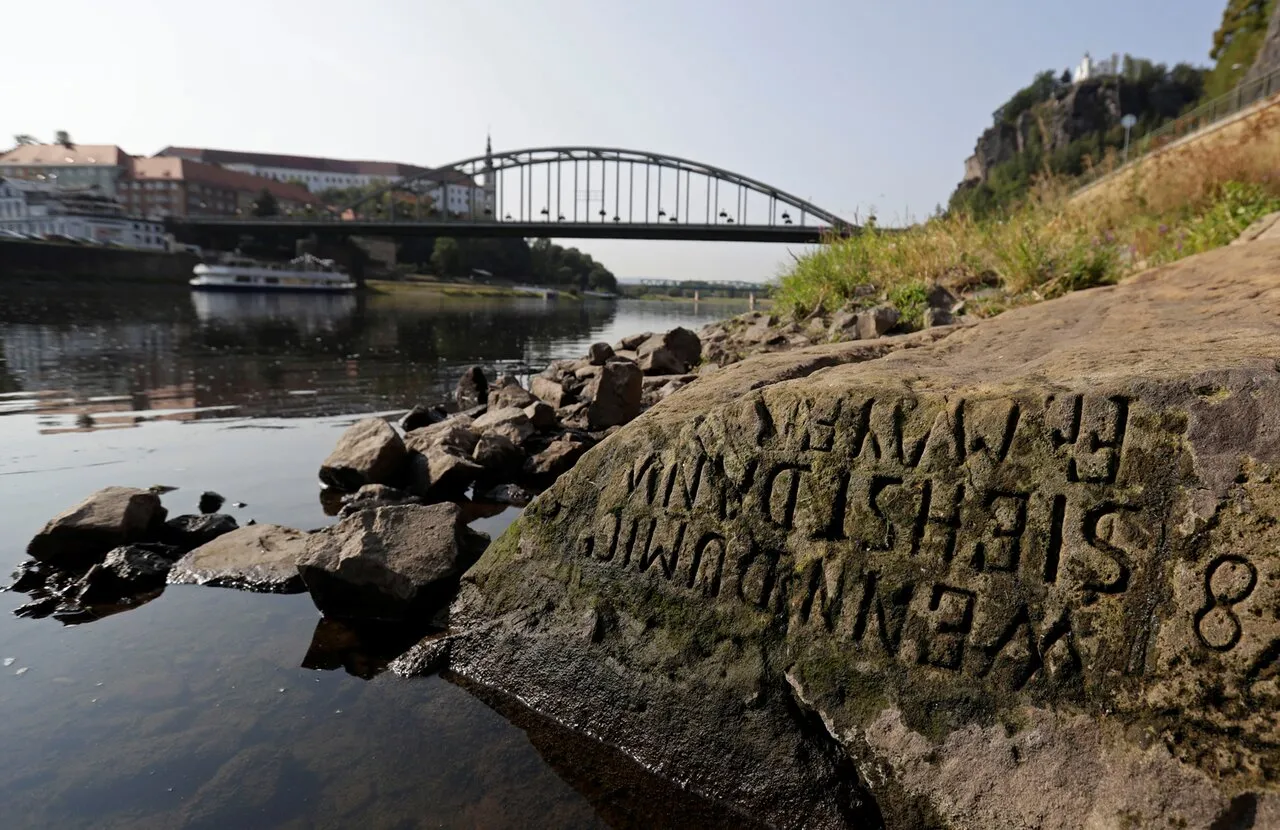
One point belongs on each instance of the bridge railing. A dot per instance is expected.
(1245, 95)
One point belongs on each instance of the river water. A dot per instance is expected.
(212, 708)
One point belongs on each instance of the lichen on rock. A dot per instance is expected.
(962, 580)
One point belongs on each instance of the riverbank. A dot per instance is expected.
(55, 261)
(1173, 207)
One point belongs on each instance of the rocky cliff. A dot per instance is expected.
(1268, 59)
(1024, 575)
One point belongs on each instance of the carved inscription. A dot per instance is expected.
(947, 535)
(1228, 580)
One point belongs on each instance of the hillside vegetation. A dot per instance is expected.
(1013, 236)
(1045, 246)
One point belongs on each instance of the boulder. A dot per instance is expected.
(260, 557)
(549, 390)
(472, 389)
(370, 451)
(1021, 573)
(124, 572)
(556, 460)
(113, 516)
(876, 322)
(541, 414)
(193, 530)
(422, 416)
(497, 454)
(672, 353)
(510, 423)
(599, 353)
(507, 392)
(573, 415)
(441, 472)
(389, 563)
(615, 396)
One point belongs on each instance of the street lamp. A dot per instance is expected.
(1127, 122)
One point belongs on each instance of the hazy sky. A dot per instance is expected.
(849, 103)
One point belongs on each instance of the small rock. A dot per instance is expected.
(387, 563)
(472, 389)
(368, 452)
(422, 416)
(375, 495)
(210, 502)
(260, 557)
(941, 298)
(599, 353)
(672, 353)
(632, 342)
(510, 423)
(615, 396)
(497, 453)
(877, 322)
(454, 432)
(541, 414)
(844, 323)
(81, 536)
(193, 530)
(439, 472)
(507, 392)
(124, 572)
(556, 460)
(512, 494)
(574, 415)
(549, 390)
(936, 317)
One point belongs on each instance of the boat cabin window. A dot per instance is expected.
(243, 278)
(272, 280)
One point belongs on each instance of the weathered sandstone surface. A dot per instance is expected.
(1022, 573)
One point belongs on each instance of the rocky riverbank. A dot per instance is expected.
(957, 576)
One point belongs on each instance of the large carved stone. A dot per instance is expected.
(1024, 575)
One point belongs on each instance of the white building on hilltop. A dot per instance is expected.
(41, 210)
(1089, 68)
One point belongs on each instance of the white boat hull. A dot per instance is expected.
(248, 278)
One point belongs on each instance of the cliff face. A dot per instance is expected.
(1084, 109)
(1268, 58)
(1090, 109)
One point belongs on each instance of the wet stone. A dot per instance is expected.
(1012, 566)
(191, 531)
(81, 536)
(368, 452)
(259, 557)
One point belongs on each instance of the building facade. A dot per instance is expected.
(39, 209)
(75, 167)
(172, 186)
(448, 190)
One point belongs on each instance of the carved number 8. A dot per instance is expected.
(1228, 580)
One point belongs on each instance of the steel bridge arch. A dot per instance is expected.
(533, 156)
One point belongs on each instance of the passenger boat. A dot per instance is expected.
(306, 273)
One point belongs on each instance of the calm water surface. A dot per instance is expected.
(196, 709)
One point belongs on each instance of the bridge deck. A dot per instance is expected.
(190, 228)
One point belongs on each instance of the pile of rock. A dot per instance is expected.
(114, 550)
(111, 551)
(501, 441)
(865, 317)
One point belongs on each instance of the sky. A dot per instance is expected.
(857, 106)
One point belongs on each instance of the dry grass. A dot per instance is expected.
(1198, 196)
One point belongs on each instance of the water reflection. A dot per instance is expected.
(191, 709)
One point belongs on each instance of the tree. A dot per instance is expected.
(64, 138)
(23, 139)
(1236, 43)
(266, 204)
(446, 258)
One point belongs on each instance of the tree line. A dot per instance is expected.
(509, 260)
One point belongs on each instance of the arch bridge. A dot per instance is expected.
(565, 192)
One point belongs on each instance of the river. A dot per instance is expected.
(213, 708)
